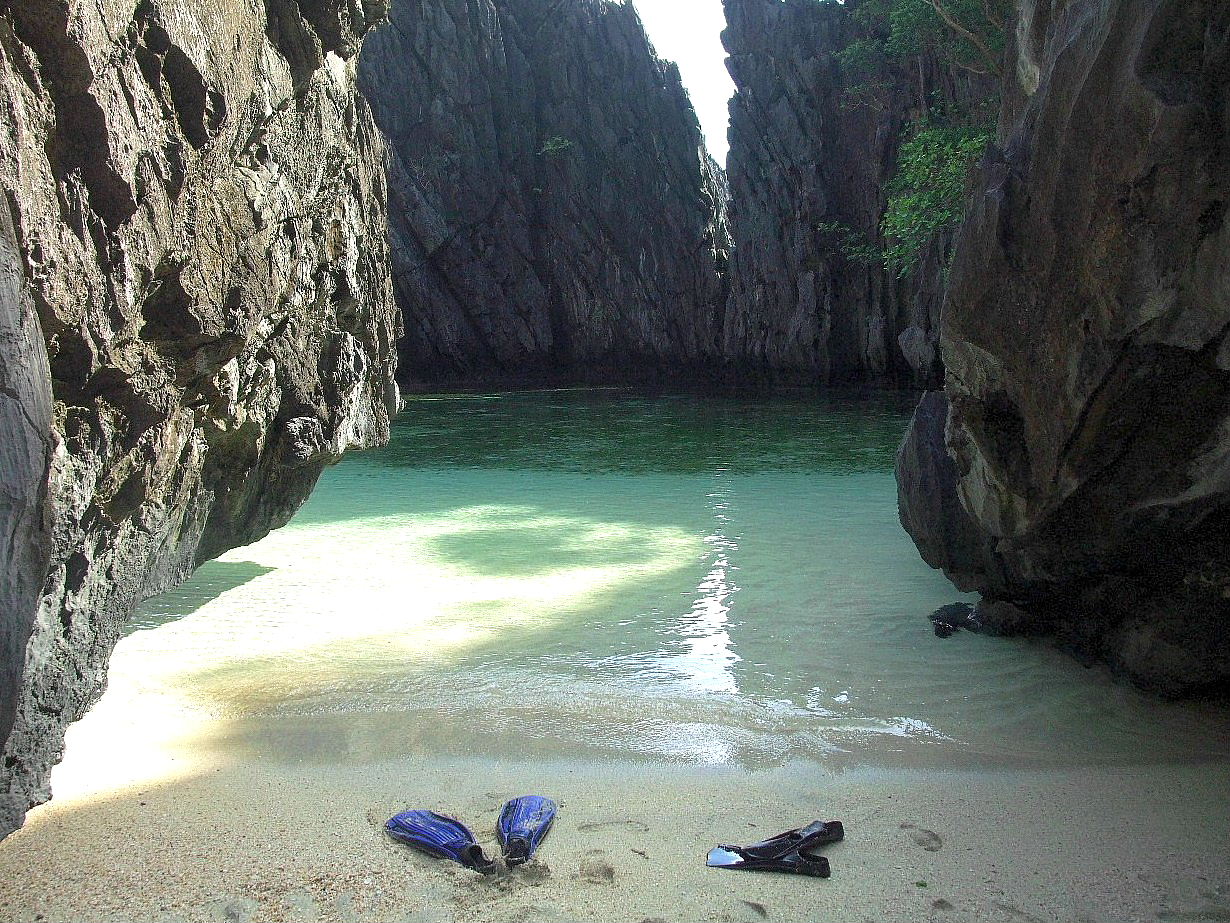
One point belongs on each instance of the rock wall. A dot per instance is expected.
(805, 155)
(552, 209)
(195, 313)
(1086, 342)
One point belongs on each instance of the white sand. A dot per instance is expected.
(263, 841)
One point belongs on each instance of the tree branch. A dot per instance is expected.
(979, 43)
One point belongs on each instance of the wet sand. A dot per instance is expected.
(277, 841)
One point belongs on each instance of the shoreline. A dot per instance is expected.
(266, 840)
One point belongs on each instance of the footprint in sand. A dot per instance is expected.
(596, 868)
(607, 824)
(927, 839)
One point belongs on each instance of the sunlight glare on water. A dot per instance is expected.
(599, 573)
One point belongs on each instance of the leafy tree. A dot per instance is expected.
(927, 191)
(967, 33)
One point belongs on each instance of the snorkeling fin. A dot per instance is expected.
(523, 824)
(792, 851)
(441, 836)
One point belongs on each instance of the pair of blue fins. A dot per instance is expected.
(525, 821)
(523, 824)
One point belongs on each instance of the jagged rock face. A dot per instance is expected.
(195, 313)
(1085, 338)
(808, 152)
(552, 209)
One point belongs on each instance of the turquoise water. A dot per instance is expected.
(701, 580)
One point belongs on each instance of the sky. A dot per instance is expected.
(688, 32)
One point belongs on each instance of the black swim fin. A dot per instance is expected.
(792, 852)
(523, 824)
(441, 836)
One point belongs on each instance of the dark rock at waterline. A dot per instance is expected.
(811, 153)
(195, 315)
(1086, 338)
(553, 211)
(987, 617)
(930, 509)
(950, 619)
(1000, 617)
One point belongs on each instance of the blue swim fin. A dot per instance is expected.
(523, 824)
(440, 836)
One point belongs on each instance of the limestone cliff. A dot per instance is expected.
(1084, 442)
(195, 313)
(808, 153)
(552, 208)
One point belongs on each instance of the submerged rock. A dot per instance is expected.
(195, 314)
(1086, 343)
(553, 210)
(950, 619)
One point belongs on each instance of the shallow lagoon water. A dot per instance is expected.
(597, 574)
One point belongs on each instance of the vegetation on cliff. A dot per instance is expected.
(927, 191)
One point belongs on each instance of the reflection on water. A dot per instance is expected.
(708, 659)
(597, 573)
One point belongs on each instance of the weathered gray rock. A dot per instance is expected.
(1086, 341)
(806, 155)
(195, 314)
(25, 453)
(552, 208)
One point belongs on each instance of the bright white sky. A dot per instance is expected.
(688, 32)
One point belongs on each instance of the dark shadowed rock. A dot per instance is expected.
(929, 507)
(1086, 342)
(950, 619)
(553, 211)
(195, 314)
(1000, 617)
(806, 155)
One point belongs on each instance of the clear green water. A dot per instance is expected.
(602, 574)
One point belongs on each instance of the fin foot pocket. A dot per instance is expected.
(524, 823)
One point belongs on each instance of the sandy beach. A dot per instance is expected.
(305, 843)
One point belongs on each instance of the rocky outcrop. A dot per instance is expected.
(195, 314)
(1086, 342)
(810, 157)
(553, 211)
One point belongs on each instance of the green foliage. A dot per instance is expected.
(554, 145)
(851, 244)
(863, 63)
(927, 194)
(862, 57)
(968, 33)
